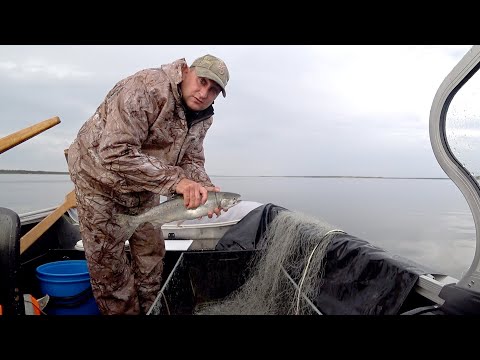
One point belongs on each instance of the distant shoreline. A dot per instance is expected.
(33, 172)
(253, 176)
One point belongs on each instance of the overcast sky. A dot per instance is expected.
(290, 110)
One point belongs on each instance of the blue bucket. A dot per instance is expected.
(67, 283)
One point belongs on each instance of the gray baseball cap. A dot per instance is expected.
(213, 68)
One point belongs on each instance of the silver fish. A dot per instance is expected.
(174, 210)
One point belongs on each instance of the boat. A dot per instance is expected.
(208, 266)
(62, 241)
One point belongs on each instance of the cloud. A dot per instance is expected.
(346, 110)
(37, 68)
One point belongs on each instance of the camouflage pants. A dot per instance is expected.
(122, 284)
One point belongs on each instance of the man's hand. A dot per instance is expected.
(218, 209)
(194, 194)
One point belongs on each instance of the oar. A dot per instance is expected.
(20, 136)
(30, 237)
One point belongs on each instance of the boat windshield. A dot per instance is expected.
(455, 139)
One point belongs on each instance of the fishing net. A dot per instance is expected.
(285, 274)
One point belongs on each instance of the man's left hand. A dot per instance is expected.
(217, 210)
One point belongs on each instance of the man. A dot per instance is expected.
(144, 140)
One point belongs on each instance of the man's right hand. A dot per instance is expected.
(193, 193)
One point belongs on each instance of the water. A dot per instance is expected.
(425, 220)
(27, 192)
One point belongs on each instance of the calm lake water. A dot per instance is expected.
(425, 220)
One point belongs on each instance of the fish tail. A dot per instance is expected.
(127, 224)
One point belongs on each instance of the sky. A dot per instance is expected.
(323, 110)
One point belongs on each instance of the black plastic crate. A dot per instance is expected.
(200, 278)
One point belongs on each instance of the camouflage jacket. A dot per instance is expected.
(138, 139)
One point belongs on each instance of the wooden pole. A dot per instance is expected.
(30, 237)
(20, 136)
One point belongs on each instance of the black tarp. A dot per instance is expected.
(359, 278)
(247, 234)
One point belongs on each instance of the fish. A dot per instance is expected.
(174, 210)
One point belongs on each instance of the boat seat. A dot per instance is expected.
(10, 263)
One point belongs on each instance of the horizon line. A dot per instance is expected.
(270, 176)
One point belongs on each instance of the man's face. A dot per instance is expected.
(198, 92)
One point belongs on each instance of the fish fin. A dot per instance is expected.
(180, 222)
(157, 224)
(174, 196)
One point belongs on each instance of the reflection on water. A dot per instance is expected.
(420, 219)
(425, 220)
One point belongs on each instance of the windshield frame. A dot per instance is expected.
(456, 171)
